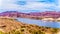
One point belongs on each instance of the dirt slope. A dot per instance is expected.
(12, 26)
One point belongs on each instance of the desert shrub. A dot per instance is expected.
(55, 30)
(38, 32)
(17, 32)
(1, 32)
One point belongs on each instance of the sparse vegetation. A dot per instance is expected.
(1, 32)
(11, 26)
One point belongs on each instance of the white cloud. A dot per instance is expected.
(0, 3)
(30, 0)
(10, 5)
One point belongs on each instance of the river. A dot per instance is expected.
(40, 22)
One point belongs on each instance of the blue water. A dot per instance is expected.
(40, 22)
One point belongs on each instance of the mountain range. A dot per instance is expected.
(34, 15)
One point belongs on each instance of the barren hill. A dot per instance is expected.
(12, 26)
(47, 15)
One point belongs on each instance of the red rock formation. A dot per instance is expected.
(52, 14)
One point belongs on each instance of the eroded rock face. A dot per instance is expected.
(52, 14)
(12, 26)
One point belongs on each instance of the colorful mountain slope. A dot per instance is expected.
(47, 15)
(52, 14)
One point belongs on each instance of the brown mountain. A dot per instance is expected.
(12, 26)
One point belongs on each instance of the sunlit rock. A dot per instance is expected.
(58, 19)
(48, 19)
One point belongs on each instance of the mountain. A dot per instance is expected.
(10, 13)
(13, 14)
(12, 26)
(46, 13)
(32, 15)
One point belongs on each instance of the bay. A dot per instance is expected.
(40, 22)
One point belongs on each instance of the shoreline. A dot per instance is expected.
(35, 18)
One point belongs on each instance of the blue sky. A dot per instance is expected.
(29, 5)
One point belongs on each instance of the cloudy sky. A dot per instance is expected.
(29, 5)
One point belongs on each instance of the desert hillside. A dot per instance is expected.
(12, 26)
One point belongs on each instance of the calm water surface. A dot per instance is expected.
(40, 22)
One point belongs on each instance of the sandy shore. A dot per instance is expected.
(51, 19)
